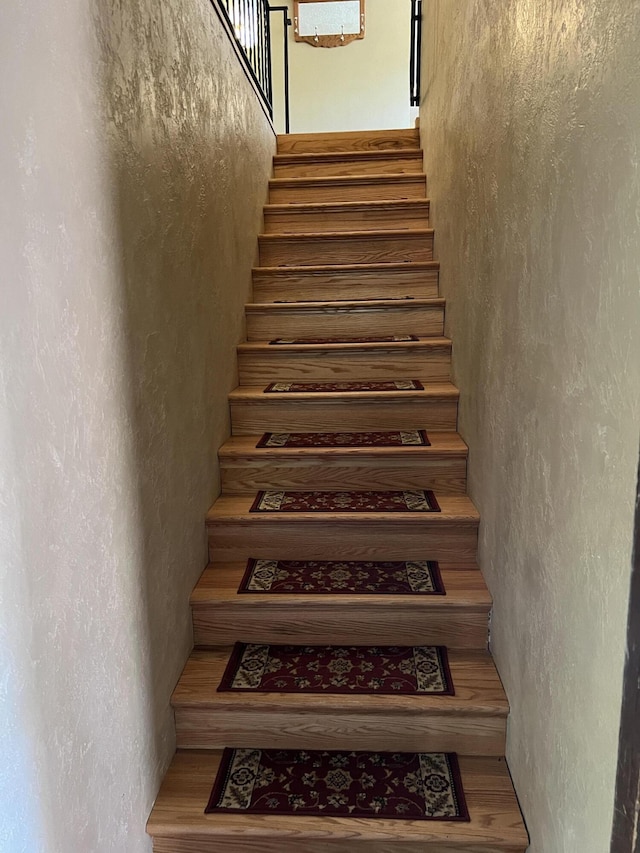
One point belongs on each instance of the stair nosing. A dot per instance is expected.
(325, 180)
(427, 343)
(338, 206)
(376, 234)
(331, 156)
(356, 268)
(302, 307)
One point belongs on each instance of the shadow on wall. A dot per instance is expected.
(190, 155)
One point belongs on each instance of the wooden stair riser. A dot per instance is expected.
(267, 414)
(357, 188)
(353, 140)
(288, 843)
(237, 843)
(219, 624)
(386, 539)
(471, 722)
(349, 248)
(352, 217)
(447, 476)
(469, 735)
(401, 280)
(424, 320)
(314, 166)
(332, 365)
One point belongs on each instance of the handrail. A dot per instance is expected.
(416, 51)
(286, 24)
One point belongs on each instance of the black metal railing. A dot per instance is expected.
(248, 21)
(416, 50)
(286, 23)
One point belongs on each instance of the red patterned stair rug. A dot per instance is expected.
(395, 786)
(396, 438)
(346, 299)
(384, 670)
(407, 501)
(346, 577)
(389, 339)
(339, 387)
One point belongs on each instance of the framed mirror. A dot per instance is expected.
(328, 23)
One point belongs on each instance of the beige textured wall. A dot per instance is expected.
(134, 161)
(361, 86)
(531, 127)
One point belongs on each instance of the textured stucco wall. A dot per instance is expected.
(361, 86)
(134, 160)
(531, 127)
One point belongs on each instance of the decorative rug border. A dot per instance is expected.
(429, 498)
(267, 436)
(368, 339)
(433, 565)
(331, 387)
(239, 648)
(225, 769)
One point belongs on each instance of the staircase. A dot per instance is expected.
(346, 292)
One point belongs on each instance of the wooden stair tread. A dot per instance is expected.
(344, 305)
(443, 444)
(454, 509)
(495, 822)
(348, 180)
(477, 685)
(349, 140)
(374, 235)
(339, 206)
(303, 158)
(367, 346)
(403, 266)
(465, 588)
(434, 390)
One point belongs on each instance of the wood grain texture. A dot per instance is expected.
(353, 140)
(346, 216)
(348, 247)
(422, 317)
(347, 219)
(347, 281)
(335, 164)
(441, 467)
(472, 722)
(261, 362)
(179, 825)
(446, 535)
(347, 188)
(222, 616)
(252, 411)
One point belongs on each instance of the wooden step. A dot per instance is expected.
(472, 722)
(346, 216)
(348, 247)
(179, 824)
(353, 140)
(334, 164)
(423, 317)
(441, 467)
(264, 362)
(222, 616)
(347, 188)
(451, 534)
(253, 411)
(347, 281)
